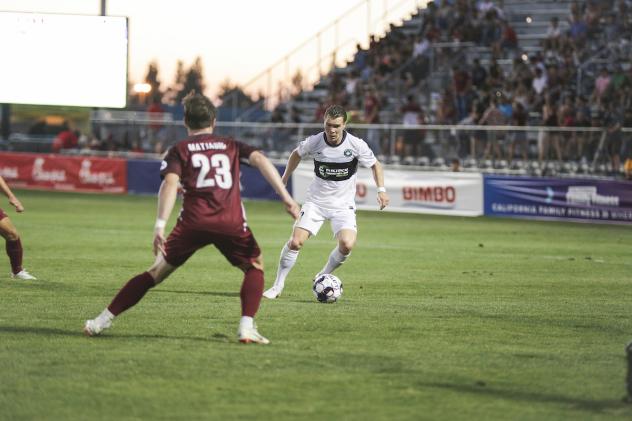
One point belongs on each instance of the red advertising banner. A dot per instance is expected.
(67, 173)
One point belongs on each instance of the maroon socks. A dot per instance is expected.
(131, 293)
(251, 291)
(14, 251)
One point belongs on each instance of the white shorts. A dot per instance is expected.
(312, 217)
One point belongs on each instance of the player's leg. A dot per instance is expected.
(287, 260)
(128, 296)
(343, 224)
(308, 224)
(180, 245)
(244, 252)
(13, 247)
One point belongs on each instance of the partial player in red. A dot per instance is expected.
(207, 167)
(12, 237)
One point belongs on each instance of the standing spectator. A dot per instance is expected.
(372, 116)
(566, 118)
(601, 84)
(553, 33)
(519, 140)
(478, 75)
(493, 117)
(208, 168)
(549, 139)
(12, 237)
(411, 142)
(539, 81)
(461, 84)
(613, 121)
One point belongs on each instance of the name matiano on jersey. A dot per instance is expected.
(335, 167)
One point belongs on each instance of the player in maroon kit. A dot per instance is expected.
(207, 166)
(11, 236)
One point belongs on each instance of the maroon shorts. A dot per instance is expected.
(2, 214)
(183, 242)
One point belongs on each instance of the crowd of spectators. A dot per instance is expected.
(578, 76)
(506, 86)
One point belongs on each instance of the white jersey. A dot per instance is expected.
(335, 166)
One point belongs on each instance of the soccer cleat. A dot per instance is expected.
(94, 328)
(272, 293)
(251, 336)
(23, 275)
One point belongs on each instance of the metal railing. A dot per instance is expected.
(333, 45)
(535, 150)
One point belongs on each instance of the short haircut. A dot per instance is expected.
(336, 111)
(199, 111)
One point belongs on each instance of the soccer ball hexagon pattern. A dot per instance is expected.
(327, 288)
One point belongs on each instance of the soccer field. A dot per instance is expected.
(442, 318)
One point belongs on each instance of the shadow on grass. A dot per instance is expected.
(213, 293)
(597, 406)
(51, 331)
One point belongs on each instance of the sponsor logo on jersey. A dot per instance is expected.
(335, 171)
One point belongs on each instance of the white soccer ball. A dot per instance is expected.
(327, 288)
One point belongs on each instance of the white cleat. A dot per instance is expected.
(251, 336)
(23, 275)
(272, 293)
(94, 328)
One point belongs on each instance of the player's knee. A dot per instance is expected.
(258, 263)
(11, 235)
(346, 245)
(295, 243)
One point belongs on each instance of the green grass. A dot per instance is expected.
(442, 318)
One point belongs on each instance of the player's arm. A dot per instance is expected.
(270, 173)
(378, 175)
(9, 194)
(166, 200)
(292, 163)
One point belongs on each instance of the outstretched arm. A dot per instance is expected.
(378, 175)
(9, 194)
(166, 200)
(270, 173)
(292, 163)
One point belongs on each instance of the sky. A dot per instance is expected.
(237, 39)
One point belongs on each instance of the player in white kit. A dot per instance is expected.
(331, 196)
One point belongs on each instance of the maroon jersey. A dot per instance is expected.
(208, 167)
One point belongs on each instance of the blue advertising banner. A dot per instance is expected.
(143, 177)
(562, 199)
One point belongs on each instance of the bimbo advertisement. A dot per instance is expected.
(563, 199)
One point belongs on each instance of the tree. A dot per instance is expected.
(193, 80)
(234, 96)
(152, 79)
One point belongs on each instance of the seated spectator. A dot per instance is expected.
(66, 139)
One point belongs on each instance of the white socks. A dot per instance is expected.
(335, 260)
(105, 317)
(286, 263)
(246, 322)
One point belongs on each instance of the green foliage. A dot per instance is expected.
(441, 318)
